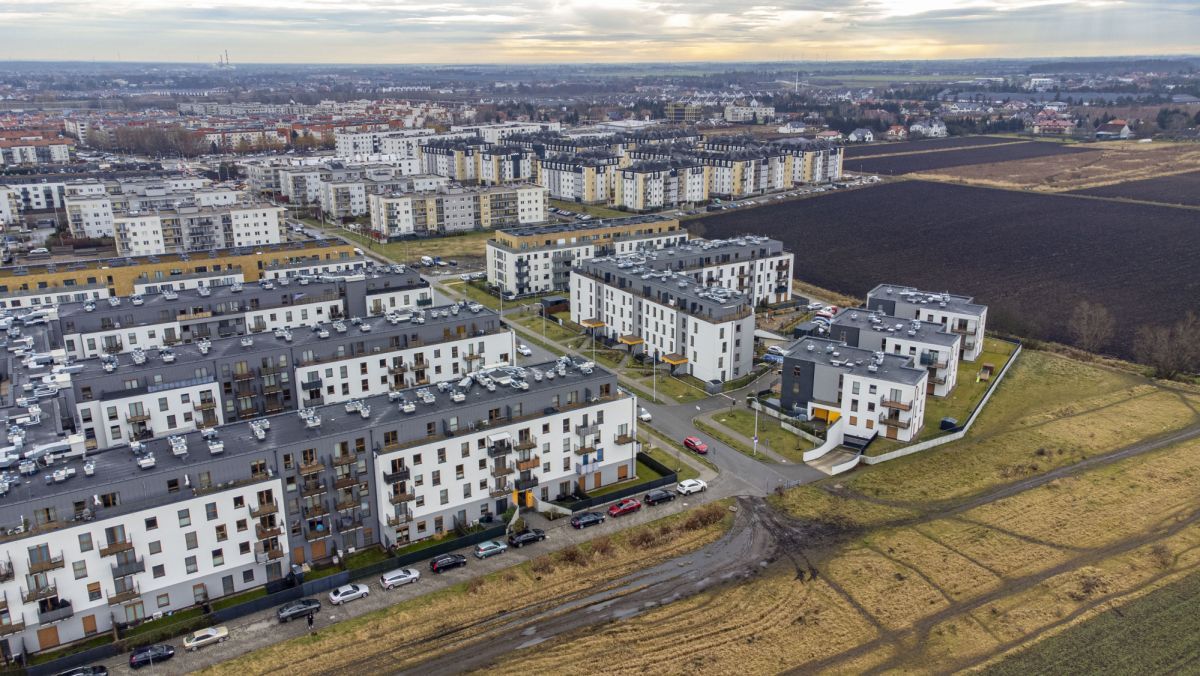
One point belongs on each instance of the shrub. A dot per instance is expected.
(602, 546)
(573, 556)
(643, 539)
(542, 565)
(703, 517)
(475, 585)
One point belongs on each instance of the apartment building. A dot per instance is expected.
(707, 331)
(757, 267)
(956, 314)
(197, 228)
(930, 346)
(586, 178)
(654, 185)
(118, 276)
(522, 261)
(499, 132)
(172, 316)
(349, 144)
(455, 209)
(872, 392)
(17, 152)
(682, 112)
(92, 207)
(753, 112)
(10, 206)
(301, 185)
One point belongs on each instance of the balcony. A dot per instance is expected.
(586, 468)
(45, 565)
(499, 450)
(264, 509)
(345, 482)
(345, 503)
(6, 571)
(499, 492)
(61, 612)
(243, 375)
(266, 533)
(526, 444)
(623, 439)
(587, 430)
(398, 369)
(319, 533)
(272, 389)
(402, 474)
(311, 384)
(265, 554)
(347, 524)
(205, 405)
(962, 330)
(933, 362)
(313, 511)
(123, 596)
(893, 421)
(898, 405)
(396, 521)
(584, 450)
(133, 567)
(312, 467)
(530, 464)
(343, 460)
(35, 594)
(502, 470)
(472, 357)
(526, 484)
(12, 628)
(117, 547)
(137, 417)
(400, 498)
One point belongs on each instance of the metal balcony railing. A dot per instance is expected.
(133, 567)
(402, 474)
(57, 614)
(264, 509)
(117, 547)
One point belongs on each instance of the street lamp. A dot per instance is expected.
(755, 452)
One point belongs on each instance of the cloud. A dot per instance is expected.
(480, 31)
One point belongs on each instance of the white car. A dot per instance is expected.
(689, 486)
(643, 415)
(399, 578)
(348, 592)
(198, 639)
(524, 350)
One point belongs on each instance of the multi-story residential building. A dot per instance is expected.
(955, 314)
(16, 152)
(196, 228)
(349, 144)
(756, 267)
(301, 186)
(754, 112)
(523, 261)
(90, 216)
(653, 185)
(500, 131)
(455, 209)
(181, 315)
(587, 178)
(930, 346)
(683, 112)
(872, 392)
(117, 277)
(707, 331)
(9, 205)
(343, 199)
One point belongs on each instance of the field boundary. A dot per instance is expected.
(962, 431)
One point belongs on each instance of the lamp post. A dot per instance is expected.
(755, 452)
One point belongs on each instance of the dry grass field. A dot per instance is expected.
(936, 594)
(1110, 163)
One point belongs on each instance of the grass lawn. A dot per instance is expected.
(534, 323)
(670, 388)
(164, 621)
(464, 246)
(644, 475)
(962, 399)
(770, 432)
(235, 599)
(716, 434)
(96, 642)
(316, 573)
(671, 460)
(595, 210)
(365, 557)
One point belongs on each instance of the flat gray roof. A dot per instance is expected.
(909, 329)
(835, 354)
(942, 300)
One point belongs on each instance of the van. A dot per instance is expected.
(426, 261)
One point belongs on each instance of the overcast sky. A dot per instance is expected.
(483, 31)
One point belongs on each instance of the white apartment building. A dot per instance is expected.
(656, 185)
(955, 314)
(873, 393)
(193, 228)
(496, 133)
(705, 331)
(588, 179)
(349, 144)
(300, 185)
(18, 152)
(456, 209)
(9, 205)
(929, 346)
(751, 112)
(343, 199)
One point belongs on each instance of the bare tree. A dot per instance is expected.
(1169, 350)
(1091, 326)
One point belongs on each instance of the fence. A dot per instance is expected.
(957, 433)
(71, 661)
(668, 477)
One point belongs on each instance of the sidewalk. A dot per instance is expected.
(748, 443)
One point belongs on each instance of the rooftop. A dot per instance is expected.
(946, 301)
(583, 226)
(674, 289)
(856, 361)
(910, 329)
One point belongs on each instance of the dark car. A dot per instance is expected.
(447, 561)
(86, 671)
(151, 654)
(526, 537)
(656, 496)
(295, 609)
(587, 519)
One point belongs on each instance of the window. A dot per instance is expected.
(80, 568)
(164, 600)
(152, 523)
(210, 511)
(218, 557)
(244, 548)
(85, 542)
(156, 547)
(190, 564)
(94, 592)
(222, 533)
(172, 485)
(248, 576)
(185, 518)
(436, 477)
(189, 540)
(241, 525)
(444, 496)
(159, 570)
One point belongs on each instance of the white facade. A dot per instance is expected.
(9, 209)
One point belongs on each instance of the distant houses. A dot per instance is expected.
(861, 135)
(929, 128)
(1114, 129)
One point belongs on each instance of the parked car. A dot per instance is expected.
(586, 519)
(489, 548)
(526, 537)
(93, 670)
(399, 577)
(524, 350)
(643, 415)
(151, 654)
(348, 592)
(198, 639)
(777, 349)
(301, 608)
(658, 495)
(447, 561)
(694, 444)
(689, 486)
(626, 506)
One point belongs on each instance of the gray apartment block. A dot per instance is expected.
(814, 368)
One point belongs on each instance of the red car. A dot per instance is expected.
(626, 506)
(694, 444)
